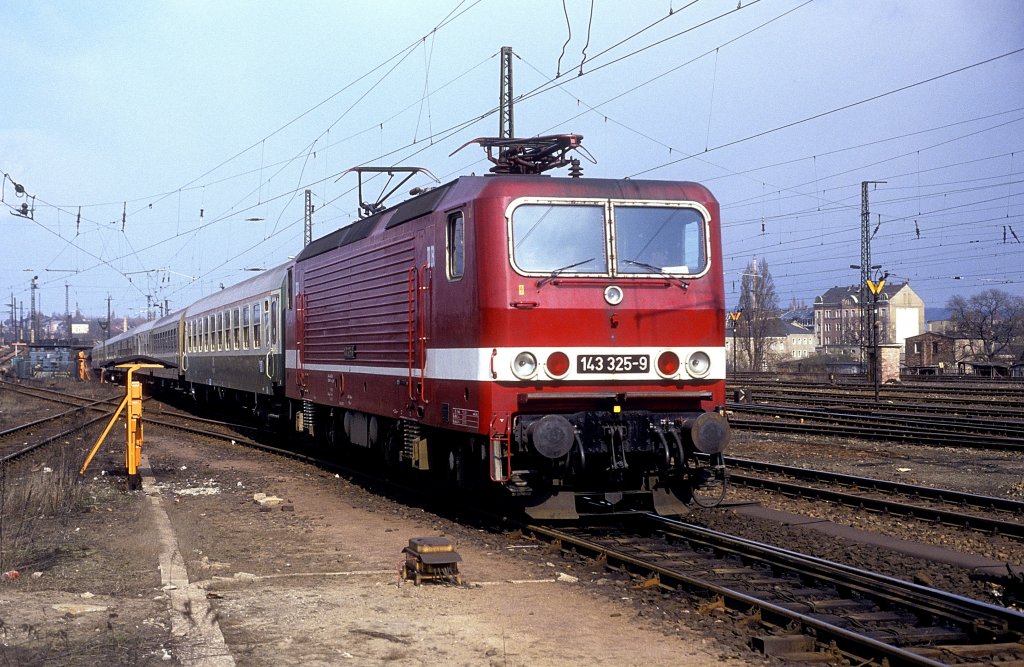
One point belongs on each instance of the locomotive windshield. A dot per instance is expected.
(563, 238)
(656, 239)
(587, 239)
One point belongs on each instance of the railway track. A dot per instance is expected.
(1012, 394)
(51, 428)
(963, 407)
(1000, 516)
(801, 607)
(926, 430)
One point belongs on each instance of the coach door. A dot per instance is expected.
(271, 333)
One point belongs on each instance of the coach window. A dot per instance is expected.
(272, 343)
(456, 244)
(245, 327)
(236, 324)
(256, 325)
(266, 322)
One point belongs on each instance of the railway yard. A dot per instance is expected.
(854, 530)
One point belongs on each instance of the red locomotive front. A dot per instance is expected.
(559, 338)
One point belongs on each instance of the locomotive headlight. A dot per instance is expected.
(524, 366)
(613, 295)
(698, 364)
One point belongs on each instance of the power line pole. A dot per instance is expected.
(506, 125)
(33, 315)
(67, 309)
(307, 234)
(865, 264)
(107, 337)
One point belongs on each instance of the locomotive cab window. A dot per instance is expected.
(456, 245)
(659, 240)
(608, 238)
(559, 239)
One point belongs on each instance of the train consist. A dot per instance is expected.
(560, 340)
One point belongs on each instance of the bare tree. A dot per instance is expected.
(760, 307)
(991, 321)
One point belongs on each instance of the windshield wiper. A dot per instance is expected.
(645, 265)
(659, 270)
(554, 274)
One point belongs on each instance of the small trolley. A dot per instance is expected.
(431, 558)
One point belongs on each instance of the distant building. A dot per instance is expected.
(837, 319)
(931, 353)
(802, 315)
(785, 341)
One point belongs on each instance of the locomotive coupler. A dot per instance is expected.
(616, 433)
(659, 434)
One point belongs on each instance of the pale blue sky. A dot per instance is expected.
(164, 110)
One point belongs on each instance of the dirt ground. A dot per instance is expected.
(310, 581)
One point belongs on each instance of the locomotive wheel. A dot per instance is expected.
(332, 429)
(391, 447)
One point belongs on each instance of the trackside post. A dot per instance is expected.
(133, 442)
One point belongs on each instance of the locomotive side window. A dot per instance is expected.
(659, 240)
(559, 238)
(456, 245)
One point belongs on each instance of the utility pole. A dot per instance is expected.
(307, 235)
(107, 337)
(67, 310)
(865, 263)
(33, 315)
(506, 125)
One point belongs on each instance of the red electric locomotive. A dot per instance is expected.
(560, 338)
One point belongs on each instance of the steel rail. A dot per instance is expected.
(1006, 394)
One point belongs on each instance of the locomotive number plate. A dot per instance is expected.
(613, 363)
